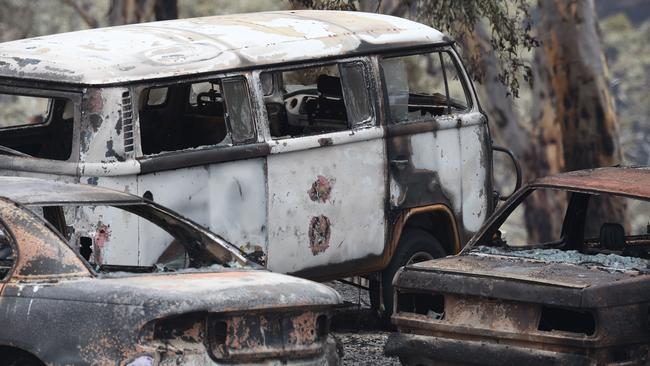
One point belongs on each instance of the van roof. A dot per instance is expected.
(200, 45)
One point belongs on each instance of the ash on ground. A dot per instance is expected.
(359, 331)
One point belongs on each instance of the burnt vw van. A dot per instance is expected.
(324, 144)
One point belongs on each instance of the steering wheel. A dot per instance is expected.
(205, 98)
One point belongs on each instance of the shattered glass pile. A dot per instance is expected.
(607, 261)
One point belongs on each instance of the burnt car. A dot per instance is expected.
(200, 303)
(574, 292)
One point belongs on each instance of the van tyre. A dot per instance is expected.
(10, 356)
(415, 245)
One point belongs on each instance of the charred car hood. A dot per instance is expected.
(184, 292)
(526, 280)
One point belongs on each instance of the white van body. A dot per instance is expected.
(317, 177)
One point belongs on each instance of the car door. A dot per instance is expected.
(326, 176)
(438, 141)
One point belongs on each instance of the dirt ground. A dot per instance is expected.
(365, 348)
(358, 330)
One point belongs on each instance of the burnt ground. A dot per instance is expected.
(358, 330)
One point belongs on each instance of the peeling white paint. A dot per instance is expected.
(396, 194)
(228, 198)
(472, 156)
(455, 151)
(145, 51)
(354, 207)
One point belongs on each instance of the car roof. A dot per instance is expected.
(199, 45)
(624, 181)
(34, 191)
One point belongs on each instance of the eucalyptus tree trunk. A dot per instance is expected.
(16, 21)
(496, 101)
(574, 119)
(138, 11)
(495, 98)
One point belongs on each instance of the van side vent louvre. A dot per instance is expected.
(127, 122)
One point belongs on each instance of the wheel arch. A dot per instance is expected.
(438, 220)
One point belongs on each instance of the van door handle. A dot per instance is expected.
(399, 164)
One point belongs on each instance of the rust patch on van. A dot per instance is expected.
(319, 234)
(325, 141)
(321, 189)
(102, 236)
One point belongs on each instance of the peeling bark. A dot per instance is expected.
(575, 123)
(495, 99)
(138, 11)
(573, 117)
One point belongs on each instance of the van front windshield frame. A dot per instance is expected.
(459, 70)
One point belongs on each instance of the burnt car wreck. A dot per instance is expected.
(579, 296)
(201, 303)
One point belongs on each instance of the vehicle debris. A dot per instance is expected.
(579, 296)
(610, 262)
(200, 303)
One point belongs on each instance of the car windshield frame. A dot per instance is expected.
(202, 245)
(502, 213)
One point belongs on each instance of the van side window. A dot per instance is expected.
(356, 91)
(314, 100)
(423, 85)
(40, 127)
(240, 114)
(185, 116)
(156, 97)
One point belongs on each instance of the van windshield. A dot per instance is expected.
(36, 126)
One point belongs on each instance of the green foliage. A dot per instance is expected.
(508, 20)
(510, 32)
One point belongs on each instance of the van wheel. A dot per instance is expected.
(16, 357)
(415, 245)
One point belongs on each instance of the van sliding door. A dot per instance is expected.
(326, 176)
